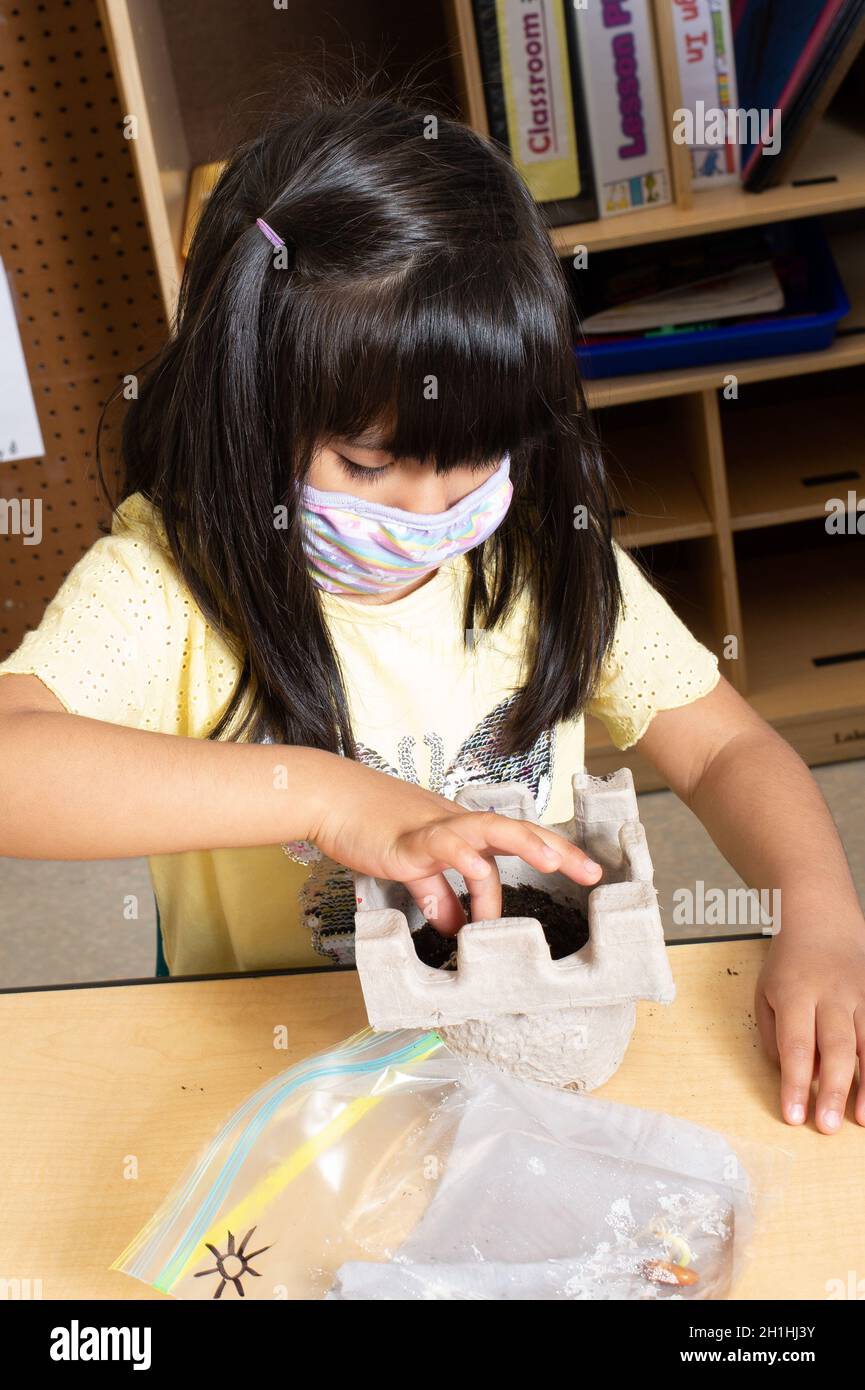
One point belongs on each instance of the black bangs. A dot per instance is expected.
(417, 294)
(454, 361)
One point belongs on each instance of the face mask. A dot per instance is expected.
(360, 547)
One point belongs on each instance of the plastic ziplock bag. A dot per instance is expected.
(389, 1168)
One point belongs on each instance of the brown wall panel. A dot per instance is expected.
(75, 248)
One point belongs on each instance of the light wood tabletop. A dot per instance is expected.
(95, 1078)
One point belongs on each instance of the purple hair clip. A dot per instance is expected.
(269, 232)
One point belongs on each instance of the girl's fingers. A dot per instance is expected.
(438, 902)
(450, 850)
(542, 848)
(468, 843)
(794, 1025)
(486, 895)
(440, 905)
(836, 1044)
(766, 1026)
(859, 1025)
(575, 863)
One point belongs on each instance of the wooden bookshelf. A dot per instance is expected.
(703, 482)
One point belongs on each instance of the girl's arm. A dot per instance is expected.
(765, 812)
(79, 788)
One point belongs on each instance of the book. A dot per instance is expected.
(634, 274)
(534, 108)
(790, 59)
(707, 73)
(749, 289)
(623, 99)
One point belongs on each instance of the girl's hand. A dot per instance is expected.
(378, 824)
(811, 1016)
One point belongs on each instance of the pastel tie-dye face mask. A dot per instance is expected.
(360, 547)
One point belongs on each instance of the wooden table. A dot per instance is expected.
(95, 1078)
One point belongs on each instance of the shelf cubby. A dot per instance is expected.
(803, 605)
(790, 452)
(656, 454)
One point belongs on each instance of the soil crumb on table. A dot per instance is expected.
(564, 926)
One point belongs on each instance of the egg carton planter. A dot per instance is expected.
(564, 1022)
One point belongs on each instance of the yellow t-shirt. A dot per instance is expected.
(124, 641)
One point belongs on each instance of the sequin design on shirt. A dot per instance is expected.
(327, 901)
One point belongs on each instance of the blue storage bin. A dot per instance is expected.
(807, 324)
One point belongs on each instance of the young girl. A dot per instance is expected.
(363, 558)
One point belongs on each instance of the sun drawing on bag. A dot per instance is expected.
(233, 1264)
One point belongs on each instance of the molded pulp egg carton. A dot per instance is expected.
(565, 1022)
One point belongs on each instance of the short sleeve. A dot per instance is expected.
(123, 641)
(653, 663)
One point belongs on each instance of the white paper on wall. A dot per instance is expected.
(20, 435)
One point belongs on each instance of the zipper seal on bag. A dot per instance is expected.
(259, 1108)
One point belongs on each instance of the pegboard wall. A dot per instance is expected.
(74, 246)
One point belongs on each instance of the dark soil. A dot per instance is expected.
(565, 928)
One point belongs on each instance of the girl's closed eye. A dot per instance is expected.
(360, 472)
(363, 473)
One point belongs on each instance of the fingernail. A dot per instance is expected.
(797, 1114)
(592, 868)
(831, 1119)
(550, 853)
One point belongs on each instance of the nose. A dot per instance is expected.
(430, 492)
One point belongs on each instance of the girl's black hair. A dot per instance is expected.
(419, 289)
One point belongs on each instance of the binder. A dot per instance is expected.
(624, 102)
(707, 73)
(528, 55)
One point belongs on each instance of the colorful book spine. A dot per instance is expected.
(623, 98)
(533, 106)
(707, 72)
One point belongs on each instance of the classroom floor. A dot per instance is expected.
(66, 923)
